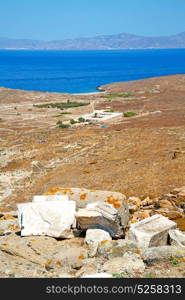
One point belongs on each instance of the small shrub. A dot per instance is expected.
(63, 126)
(149, 275)
(61, 105)
(121, 275)
(111, 110)
(73, 122)
(175, 261)
(81, 120)
(129, 114)
(124, 95)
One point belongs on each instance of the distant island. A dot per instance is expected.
(103, 42)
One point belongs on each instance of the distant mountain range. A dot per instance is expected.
(103, 42)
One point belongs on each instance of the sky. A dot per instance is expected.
(63, 19)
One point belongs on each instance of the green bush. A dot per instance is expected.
(129, 114)
(61, 105)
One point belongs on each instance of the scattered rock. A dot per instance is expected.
(150, 232)
(172, 214)
(98, 275)
(8, 225)
(165, 204)
(147, 201)
(8, 215)
(90, 266)
(179, 190)
(93, 237)
(134, 201)
(142, 214)
(128, 263)
(52, 218)
(177, 238)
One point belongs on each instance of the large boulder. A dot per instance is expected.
(83, 196)
(100, 215)
(151, 232)
(52, 218)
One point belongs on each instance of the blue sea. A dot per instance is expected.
(83, 71)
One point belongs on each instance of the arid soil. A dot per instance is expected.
(143, 155)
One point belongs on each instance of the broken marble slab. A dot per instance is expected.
(51, 218)
(100, 215)
(94, 237)
(83, 196)
(151, 232)
(50, 198)
(177, 238)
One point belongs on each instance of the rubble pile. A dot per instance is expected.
(74, 232)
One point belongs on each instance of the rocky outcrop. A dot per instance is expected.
(125, 264)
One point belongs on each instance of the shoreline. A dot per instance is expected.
(100, 89)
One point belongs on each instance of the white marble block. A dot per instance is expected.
(52, 218)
